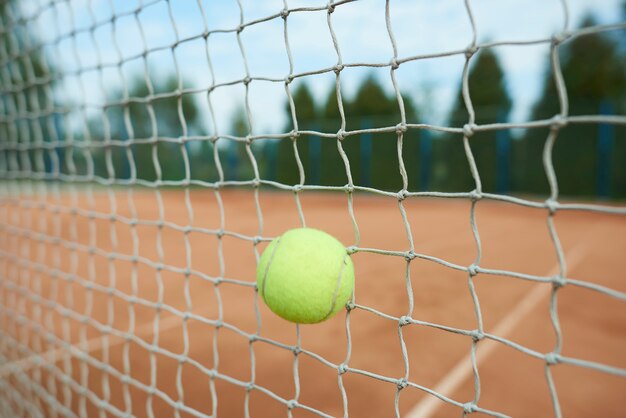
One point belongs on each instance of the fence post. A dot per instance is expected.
(606, 133)
(270, 150)
(426, 161)
(233, 160)
(124, 159)
(503, 157)
(366, 154)
(315, 150)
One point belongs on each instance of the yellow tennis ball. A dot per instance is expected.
(305, 276)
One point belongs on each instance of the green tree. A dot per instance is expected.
(593, 71)
(235, 159)
(287, 171)
(162, 116)
(28, 81)
(371, 107)
(333, 171)
(411, 145)
(491, 103)
(373, 157)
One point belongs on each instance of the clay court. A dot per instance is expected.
(133, 295)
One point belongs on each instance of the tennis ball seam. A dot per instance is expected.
(267, 268)
(337, 286)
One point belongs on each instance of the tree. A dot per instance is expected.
(306, 115)
(333, 171)
(235, 160)
(27, 86)
(150, 116)
(593, 71)
(373, 156)
(371, 107)
(411, 152)
(492, 103)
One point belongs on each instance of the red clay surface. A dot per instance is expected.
(512, 238)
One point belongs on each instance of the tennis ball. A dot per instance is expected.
(305, 276)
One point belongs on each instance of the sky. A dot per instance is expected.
(418, 26)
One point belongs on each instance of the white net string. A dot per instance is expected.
(57, 354)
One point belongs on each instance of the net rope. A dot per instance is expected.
(43, 368)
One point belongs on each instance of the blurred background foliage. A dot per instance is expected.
(589, 159)
(150, 130)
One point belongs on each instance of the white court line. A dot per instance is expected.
(463, 369)
(94, 344)
(424, 409)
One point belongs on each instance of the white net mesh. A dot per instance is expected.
(132, 218)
